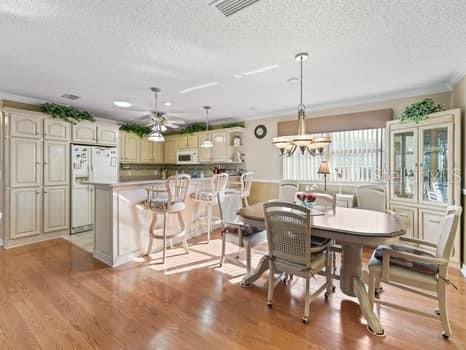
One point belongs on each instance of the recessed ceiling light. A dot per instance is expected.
(203, 86)
(167, 103)
(257, 71)
(122, 104)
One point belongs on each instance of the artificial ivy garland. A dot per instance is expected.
(67, 113)
(137, 129)
(419, 111)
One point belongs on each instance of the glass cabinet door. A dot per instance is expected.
(403, 172)
(435, 164)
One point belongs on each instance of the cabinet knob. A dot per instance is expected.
(46, 162)
(37, 163)
(37, 192)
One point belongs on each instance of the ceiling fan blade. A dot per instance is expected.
(175, 121)
(163, 128)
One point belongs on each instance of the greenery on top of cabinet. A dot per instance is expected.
(140, 130)
(67, 113)
(194, 127)
(419, 111)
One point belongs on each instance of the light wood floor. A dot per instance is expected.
(54, 295)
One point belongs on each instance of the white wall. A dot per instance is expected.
(263, 158)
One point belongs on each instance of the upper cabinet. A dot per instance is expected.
(25, 124)
(130, 150)
(170, 146)
(107, 134)
(96, 133)
(57, 130)
(220, 148)
(25, 162)
(85, 132)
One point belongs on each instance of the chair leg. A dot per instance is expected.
(170, 242)
(222, 256)
(442, 303)
(183, 230)
(307, 301)
(329, 273)
(247, 246)
(164, 250)
(271, 284)
(152, 226)
(372, 287)
(209, 221)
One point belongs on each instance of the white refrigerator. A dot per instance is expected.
(89, 164)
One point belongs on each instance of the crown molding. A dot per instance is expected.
(435, 88)
(456, 76)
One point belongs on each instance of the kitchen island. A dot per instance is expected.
(122, 222)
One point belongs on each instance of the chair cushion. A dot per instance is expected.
(424, 268)
(246, 230)
(163, 204)
(202, 196)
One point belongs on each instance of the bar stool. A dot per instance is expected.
(172, 202)
(209, 198)
(246, 183)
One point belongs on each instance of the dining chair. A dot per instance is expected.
(287, 191)
(371, 197)
(417, 270)
(234, 229)
(325, 201)
(288, 228)
(208, 196)
(170, 201)
(245, 191)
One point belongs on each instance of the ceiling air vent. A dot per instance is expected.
(70, 97)
(230, 7)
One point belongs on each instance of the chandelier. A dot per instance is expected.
(288, 144)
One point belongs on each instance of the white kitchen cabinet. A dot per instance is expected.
(56, 163)
(25, 162)
(131, 148)
(146, 151)
(107, 134)
(56, 208)
(27, 125)
(220, 148)
(25, 212)
(157, 152)
(170, 147)
(55, 129)
(85, 132)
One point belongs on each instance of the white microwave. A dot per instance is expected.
(187, 156)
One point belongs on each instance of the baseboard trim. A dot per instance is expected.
(463, 270)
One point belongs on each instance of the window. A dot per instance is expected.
(356, 154)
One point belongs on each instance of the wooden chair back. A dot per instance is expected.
(371, 197)
(246, 183)
(219, 183)
(287, 191)
(177, 188)
(229, 204)
(288, 229)
(446, 239)
(325, 201)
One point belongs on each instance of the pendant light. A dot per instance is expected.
(156, 134)
(207, 143)
(288, 144)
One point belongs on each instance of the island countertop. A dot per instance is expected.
(139, 182)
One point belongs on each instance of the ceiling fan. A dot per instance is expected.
(157, 120)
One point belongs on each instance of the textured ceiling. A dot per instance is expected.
(115, 50)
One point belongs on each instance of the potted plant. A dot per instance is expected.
(419, 111)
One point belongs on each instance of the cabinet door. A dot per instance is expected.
(409, 218)
(181, 141)
(192, 141)
(220, 150)
(55, 129)
(25, 162)
(157, 152)
(430, 225)
(56, 163)
(107, 135)
(25, 212)
(24, 125)
(170, 150)
(132, 148)
(436, 164)
(82, 206)
(146, 151)
(205, 154)
(404, 165)
(85, 132)
(56, 208)
(121, 146)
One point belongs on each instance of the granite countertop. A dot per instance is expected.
(126, 183)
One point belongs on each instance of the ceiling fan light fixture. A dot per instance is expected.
(156, 136)
(207, 144)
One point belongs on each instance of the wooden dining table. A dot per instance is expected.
(353, 228)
